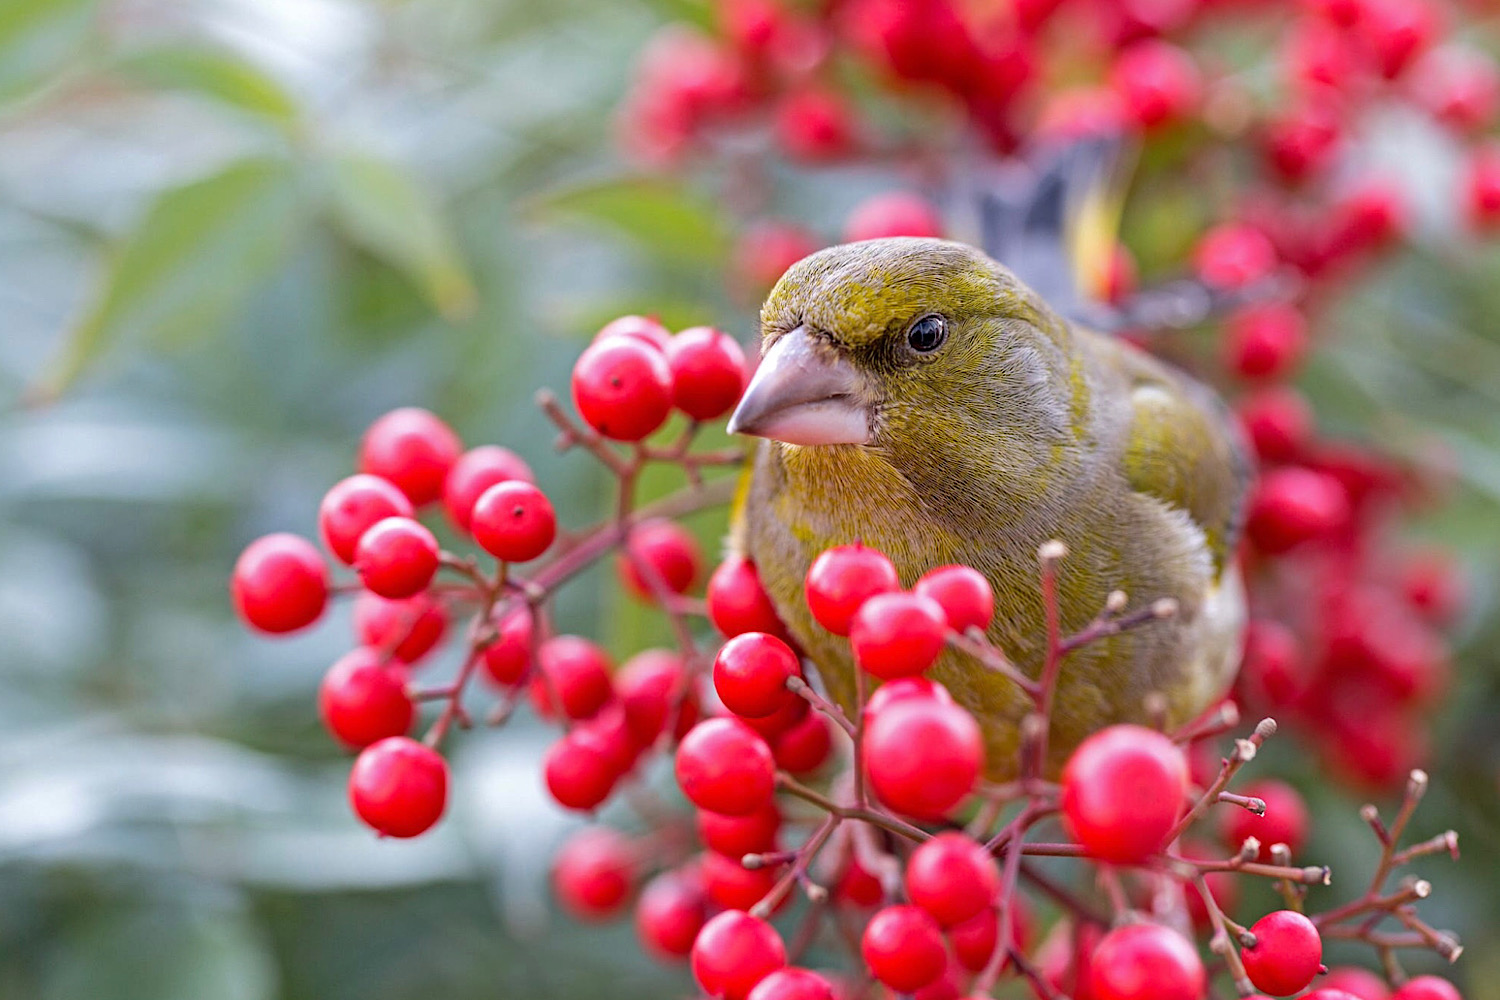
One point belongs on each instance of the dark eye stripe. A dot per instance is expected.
(928, 333)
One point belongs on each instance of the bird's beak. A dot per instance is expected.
(804, 392)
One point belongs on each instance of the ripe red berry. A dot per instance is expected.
(580, 770)
(1122, 792)
(1278, 421)
(708, 372)
(1287, 955)
(1146, 962)
(894, 213)
(593, 873)
(975, 939)
(804, 747)
(670, 913)
(408, 628)
(903, 948)
(361, 700)
(413, 449)
(858, 886)
(1292, 505)
(508, 659)
(1482, 189)
(783, 720)
(643, 328)
(660, 553)
(737, 603)
(751, 671)
(923, 755)
(733, 952)
(724, 766)
(898, 634)
(1274, 671)
(476, 471)
(1157, 81)
(279, 584)
(1396, 32)
(1458, 87)
(765, 251)
(1265, 341)
(399, 787)
(1234, 255)
(906, 687)
(650, 685)
(737, 836)
(1301, 142)
(1285, 821)
(352, 506)
(396, 558)
(815, 125)
(793, 984)
(962, 592)
(733, 886)
(952, 877)
(577, 673)
(622, 388)
(1427, 988)
(842, 579)
(1361, 984)
(1434, 585)
(513, 521)
(1328, 993)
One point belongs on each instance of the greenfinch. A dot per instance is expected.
(915, 396)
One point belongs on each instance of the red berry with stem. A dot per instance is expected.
(650, 685)
(1427, 988)
(1284, 822)
(396, 558)
(737, 603)
(751, 671)
(923, 756)
(412, 448)
(793, 984)
(1146, 962)
(508, 659)
(408, 628)
(903, 947)
(963, 593)
(1266, 341)
(279, 584)
(622, 388)
(660, 554)
(893, 213)
(805, 747)
(1122, 791)
(670, 913)
(513, 521)
(352, 506)
(593, 873)
(898, 634)
(737, 836)
(1288, 953)
(724, 766)
(642, 328)
(580, 771)
(1293, 505)
(575, 672)
(952, 877)
(733, 886)
(362, 701)
(842, 579)
(708, 372)
(733, 953)
(399, 787)
(476, 471)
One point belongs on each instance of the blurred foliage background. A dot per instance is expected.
(232, 232)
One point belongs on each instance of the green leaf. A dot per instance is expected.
(212, 73)
(196, 255)
(38, 38)
(385, 211)
(666, 219)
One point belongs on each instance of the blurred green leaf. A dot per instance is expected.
(668, 220)
(212, 73)
(195, 256)
(387, 212)
(37, 38)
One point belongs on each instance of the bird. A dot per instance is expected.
(915, 396)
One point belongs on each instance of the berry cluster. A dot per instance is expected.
(809, 828)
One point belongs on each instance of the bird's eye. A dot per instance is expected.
(928, 333)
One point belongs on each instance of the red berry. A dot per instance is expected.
(1427, 988)
(953, 878)
(279, 584)
(476, 471)
(1274, 671)
(396, 558)
(975, 939)
(733, 886)
(793, 984)
(894, 213)
(513, 521)
(643, 328)
(1158, 83)
(898, 634)
(1265, 341)
(737, 836)
(1434, 585)
(815, 125)
(1122, 791)
(1234, 255)
(413, 449)
(1458, 87)
(1327, 993)
(1361, 984)
(805, 747)
(783, 720)
(842, 579)
(737, 603)
(352, 507)
(906, 687)
(751, 671)
(724, 766)
(1482, 189)
(1287, 955)
(399, 787)
(923, 755)
(670, 914)
(1285, 821)
(1302, 142)
(593, 873)
(708, 372)
(856, 885)
(580, 770)
(1146, 962)
(962, 592)
(903, 948)
(766, 250)
(1397, 32)
(622, 388)
(361, 700)
(734, 952)
(650, 686)
(1292, 505)
(660, 553)
(508, 659)
(407, 628)
(577, 673)
(1278, 422)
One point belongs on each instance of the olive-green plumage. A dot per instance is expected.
(1018, 428)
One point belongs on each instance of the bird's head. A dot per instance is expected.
(912, 347)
